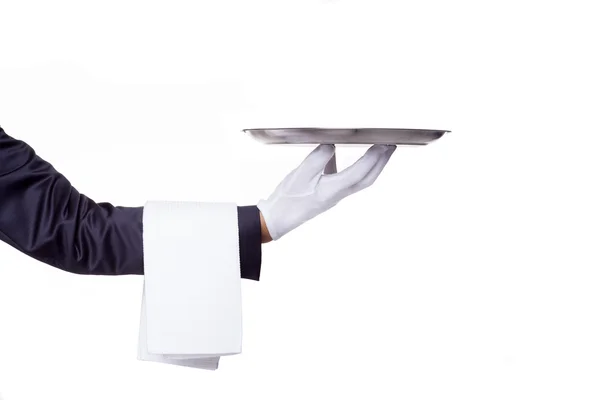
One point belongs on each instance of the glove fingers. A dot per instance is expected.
(357, 171)
(374, 173)
(314, 164)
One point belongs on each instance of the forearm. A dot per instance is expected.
(45, 217)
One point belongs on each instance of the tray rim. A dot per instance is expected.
(347, 129)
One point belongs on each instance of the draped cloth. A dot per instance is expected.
(191, 312)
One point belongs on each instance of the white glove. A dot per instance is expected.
(307, 192)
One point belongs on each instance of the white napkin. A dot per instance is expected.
(191, 307)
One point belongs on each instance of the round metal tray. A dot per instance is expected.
(408, 137)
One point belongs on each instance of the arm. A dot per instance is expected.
(45, 217)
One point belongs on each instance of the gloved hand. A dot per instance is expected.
(307, 192)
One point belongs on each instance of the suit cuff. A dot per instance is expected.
(250, 242)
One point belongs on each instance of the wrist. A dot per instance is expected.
(264, 232)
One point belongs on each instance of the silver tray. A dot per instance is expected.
(407, 137)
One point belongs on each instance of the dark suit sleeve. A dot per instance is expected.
(45, 217)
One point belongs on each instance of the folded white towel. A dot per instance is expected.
(191, 308)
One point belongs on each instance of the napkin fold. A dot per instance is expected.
(191, 311)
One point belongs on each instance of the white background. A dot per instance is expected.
(470, 270)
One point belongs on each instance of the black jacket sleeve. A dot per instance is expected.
(45, 217)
